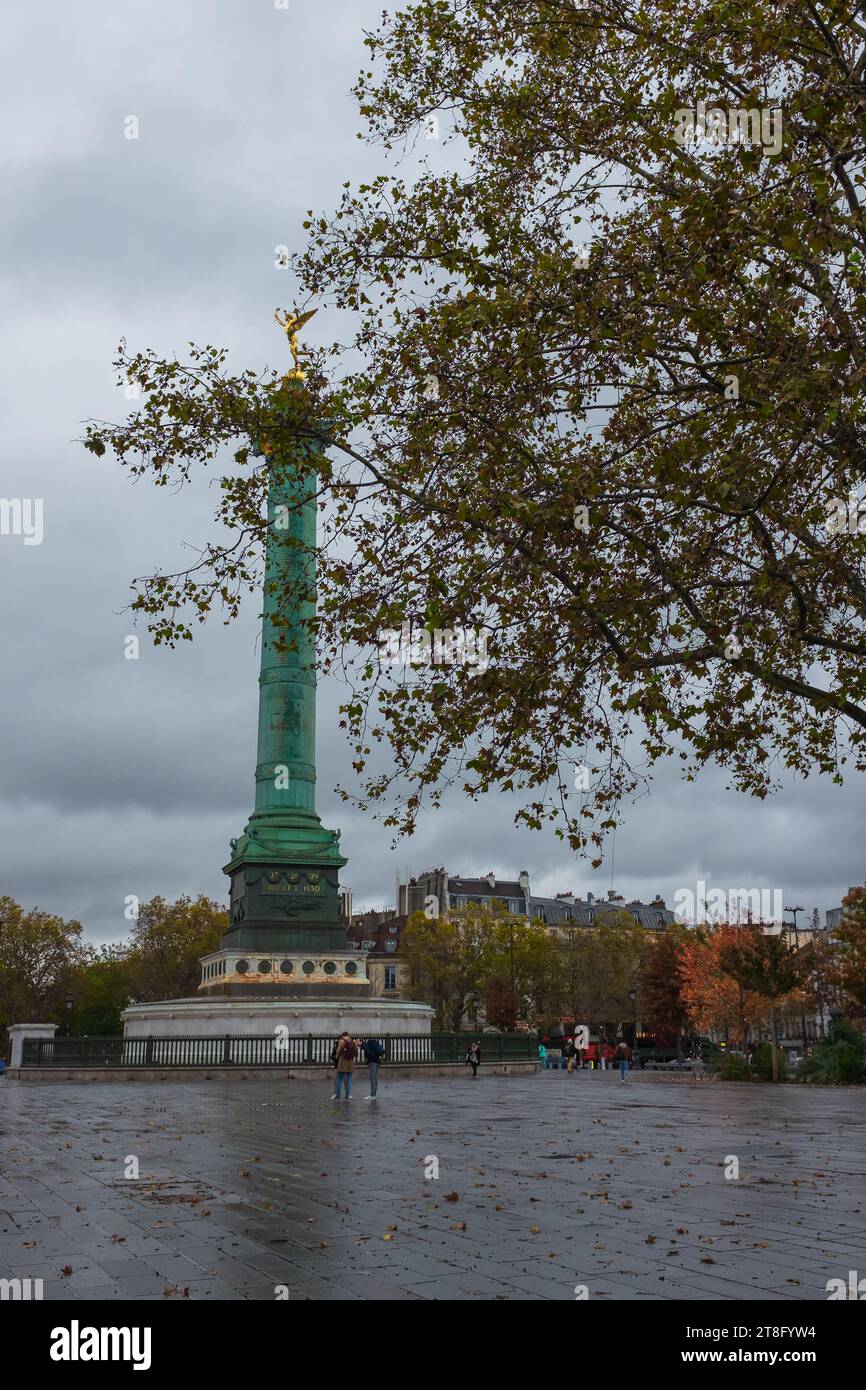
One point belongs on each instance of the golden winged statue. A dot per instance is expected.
(290, 324)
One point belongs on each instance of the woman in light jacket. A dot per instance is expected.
(347, 1051)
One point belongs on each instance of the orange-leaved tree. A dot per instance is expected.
(715, 999)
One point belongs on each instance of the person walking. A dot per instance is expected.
(373, 1052)
(623, 1057)
(542, 1057)
(571, 1054)
(473, 1057)
(347, 1051)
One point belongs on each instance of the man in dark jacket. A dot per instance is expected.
(374, 1052)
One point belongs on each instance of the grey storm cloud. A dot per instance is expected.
(129, 777)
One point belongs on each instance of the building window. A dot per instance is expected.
(390, 977)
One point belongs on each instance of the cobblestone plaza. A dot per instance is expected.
(548, 1185)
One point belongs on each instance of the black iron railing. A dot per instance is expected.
(268, 1050)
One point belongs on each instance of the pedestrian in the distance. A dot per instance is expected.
(542, 1057)
(571, 1054)
(623, 1057)
(347, 1051)
(373, 1052)
(473, 1057)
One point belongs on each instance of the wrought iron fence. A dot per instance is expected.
(268, 1050)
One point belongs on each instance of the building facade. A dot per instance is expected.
(437, 890)
(378, 932)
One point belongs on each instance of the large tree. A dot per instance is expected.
(471, 951)
(599, 965)
(39, 955)
(603, 402)
(716, 1001)
(663, 1007)
(100, 990)
(167, 942)
(769, 966)
(448, 959)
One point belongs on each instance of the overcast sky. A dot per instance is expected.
(129, 777)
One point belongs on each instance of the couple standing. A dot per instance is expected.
(344, 1055)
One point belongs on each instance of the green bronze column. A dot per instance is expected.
(286, 765)
(286, 936)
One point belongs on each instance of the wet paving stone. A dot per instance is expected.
(253, 1190)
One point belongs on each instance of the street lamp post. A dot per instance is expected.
(67, 1004)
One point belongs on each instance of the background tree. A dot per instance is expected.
(603, 401)
(501, 1007)
(822, 991)
(472, 950)
(570, 972)
(715, 1000)
(767, 965)
(531, 952)
(101, 988)
(607, 961)
(39, 955)
(663, 1007)
(850, 953)
(167, 943)
(447, 960)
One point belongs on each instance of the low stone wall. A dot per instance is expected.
(321, 1074)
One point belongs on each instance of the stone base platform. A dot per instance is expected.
(220, 1018)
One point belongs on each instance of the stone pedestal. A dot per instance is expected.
(220, 1018)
